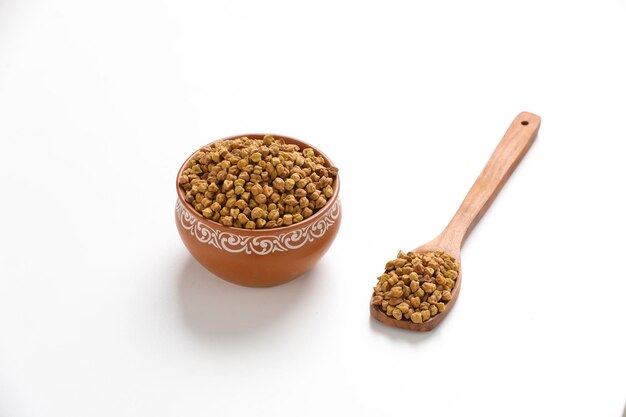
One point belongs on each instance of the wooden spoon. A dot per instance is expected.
(509, 152)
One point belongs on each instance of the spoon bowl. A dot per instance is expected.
(429, 324)
(507, 155)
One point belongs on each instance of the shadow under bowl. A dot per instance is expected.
(259, 257)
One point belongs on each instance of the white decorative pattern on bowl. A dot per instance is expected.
(259, 245)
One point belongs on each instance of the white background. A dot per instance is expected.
(104, 313)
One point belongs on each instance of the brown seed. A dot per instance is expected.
(393, 279)
(406, 292)
(221, 198)
(396, 292)
(227, 185)
(258, 213)
(230, 203)
(279, 184)
(416, 317)
(256, 189)
(273, 214)
(256, 157)
(291, 200)
(399, 262)
(241, 204)
(310, 188)
(403, 307)
(395, 301)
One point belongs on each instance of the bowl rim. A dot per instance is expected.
(277, 230)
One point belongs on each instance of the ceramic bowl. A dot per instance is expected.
(263, 257)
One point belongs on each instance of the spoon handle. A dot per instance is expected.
(507, 155)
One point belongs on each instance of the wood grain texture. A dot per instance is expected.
(505, 158)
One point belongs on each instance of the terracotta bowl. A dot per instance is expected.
(263, 257)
